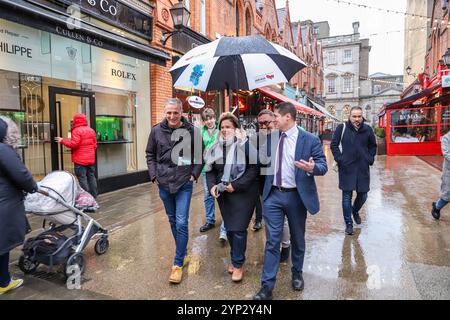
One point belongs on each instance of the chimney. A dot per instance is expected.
(355, 27)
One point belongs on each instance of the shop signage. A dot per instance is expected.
(196, 102)
(123, 74)
(116, 13)
(78, 36)
(15, 49)
(446, 81)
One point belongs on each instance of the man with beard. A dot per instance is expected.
(354, 148)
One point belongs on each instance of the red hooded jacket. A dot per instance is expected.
(83, 141)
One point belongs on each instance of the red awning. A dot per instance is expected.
(300, 107)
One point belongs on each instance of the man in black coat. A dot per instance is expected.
(14, 180)
(175, 161)
(354, 153)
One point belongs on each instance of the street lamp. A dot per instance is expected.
(180, 17)
(446, 58)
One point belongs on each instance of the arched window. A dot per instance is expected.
(332, 110)
(248, 22)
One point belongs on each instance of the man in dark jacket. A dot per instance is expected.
(354, 153)
(175, 160)
(14, 180)
(83, 143)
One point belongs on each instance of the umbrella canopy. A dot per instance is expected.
(243, 63)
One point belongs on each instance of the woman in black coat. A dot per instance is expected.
(14, 180)
(233, 181)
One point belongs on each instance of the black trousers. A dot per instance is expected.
(86, 178)
(238, 246)
(5, 277)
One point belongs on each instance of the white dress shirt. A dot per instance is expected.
(287, 163)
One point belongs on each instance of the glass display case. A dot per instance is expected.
(114, 129)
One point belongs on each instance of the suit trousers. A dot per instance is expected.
(277, 206)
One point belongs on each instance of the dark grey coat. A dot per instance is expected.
(358, 153)
(236, 207)
(161, 168)
(14, 179)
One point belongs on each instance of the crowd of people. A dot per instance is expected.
(271, 173)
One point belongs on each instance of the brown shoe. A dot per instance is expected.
(230, 268)
(238, 273)
(176, 274)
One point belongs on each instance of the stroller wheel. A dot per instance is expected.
(101, 246)
(26, 265)
(75, 264)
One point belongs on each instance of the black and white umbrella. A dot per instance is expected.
(231, 63)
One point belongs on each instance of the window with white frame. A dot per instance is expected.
(203, 17)
(315, 30)
(347, 56)
(348, 84)
(331, 85)
(331, 57)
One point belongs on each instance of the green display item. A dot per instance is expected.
(108, 128)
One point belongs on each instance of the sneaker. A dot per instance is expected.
(237, 275)
(435, 212)
(13, 284)
(257, 226)
(223, 237)
(207, 226)
(284, 256)
(176, 274)
(349, 229)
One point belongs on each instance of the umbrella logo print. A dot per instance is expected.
(196, 74)
(270, 76)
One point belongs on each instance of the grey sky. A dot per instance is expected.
(387, 50)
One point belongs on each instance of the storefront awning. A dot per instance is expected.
(411, 99)
(25, 13)
(300, 107)
(324, 111)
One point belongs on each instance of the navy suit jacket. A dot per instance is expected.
(308, 145)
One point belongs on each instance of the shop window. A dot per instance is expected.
(414, 134)
(413, 117)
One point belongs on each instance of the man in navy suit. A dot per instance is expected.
(290, 190)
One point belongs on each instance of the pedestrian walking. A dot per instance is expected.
(290, 192)
(15, 179)
(354, 148)
(444, 197)
(210, 133)
(266, 124)
(231, 180)
(83, 142)
(175, 179)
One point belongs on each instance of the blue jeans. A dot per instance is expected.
(5, 277)
(222, 228)
(209, 203)
(347, 207)
(238, 246)
(441, 203)
(177, 210)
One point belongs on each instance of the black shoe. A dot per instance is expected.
(349, 229)
(284, 256)
(435, 212)
(263, 294)
(207, 226)
(356, 217)
(297, 281)
(257, 226)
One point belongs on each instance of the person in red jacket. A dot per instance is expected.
(83, 143)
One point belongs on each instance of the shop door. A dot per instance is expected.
(64, 104)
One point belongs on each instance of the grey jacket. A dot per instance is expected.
(445, 185)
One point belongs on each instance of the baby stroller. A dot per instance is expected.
(70, 228)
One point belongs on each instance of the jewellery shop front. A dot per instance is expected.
(52, 68)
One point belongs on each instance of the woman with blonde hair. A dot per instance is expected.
(15, 179)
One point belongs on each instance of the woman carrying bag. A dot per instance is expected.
(15, 179)
(231, 179)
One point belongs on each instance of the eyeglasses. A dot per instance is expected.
(264, 123)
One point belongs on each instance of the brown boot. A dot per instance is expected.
(238, 273)
(176, 274)
(230, 268)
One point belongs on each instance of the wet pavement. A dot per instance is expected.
(398, 252)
